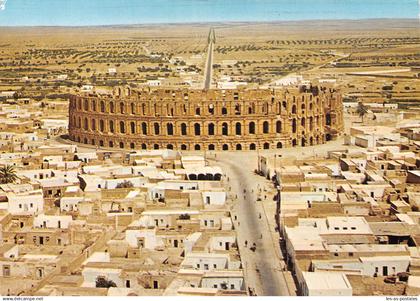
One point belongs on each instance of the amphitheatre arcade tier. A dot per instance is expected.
(183, 119)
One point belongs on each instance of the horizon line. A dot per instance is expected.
(211, 22)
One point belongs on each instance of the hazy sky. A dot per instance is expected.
(106, 12)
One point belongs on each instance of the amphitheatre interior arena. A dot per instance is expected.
(214, 119)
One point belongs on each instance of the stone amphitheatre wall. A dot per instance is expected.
(206, 119)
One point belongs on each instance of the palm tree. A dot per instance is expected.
(7, 174)
(362, 110)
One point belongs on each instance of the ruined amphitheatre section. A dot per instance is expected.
(200, 120)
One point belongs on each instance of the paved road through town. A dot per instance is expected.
(263, 268)
(208, 71)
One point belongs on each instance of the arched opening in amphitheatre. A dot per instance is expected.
(94, 105)
(294, 109)
(157, 128)
(238, 128)
(85, 124)
(122, 127)
(111, 144)
(238, 147)
(224, 111)
(311, 141)
(170, 129)
(111, 107)
(294, 128)
(144, 128)
(294, 142)
(121, 144)
(278, 127)
(192, 177)
(197, 129)
(102, 106)
(122, 109)
(133, 108)
(253, 108)
(197, 111)
(143, 146)
(133, 127)
(328, 119)
(170, 146)
(92, 142)
(183, 147)
(201, 177)
(303, 142)
(111, 126)
(237, 109)
(251, 127)
(252, 146)
(302, 121)
(183, 129)
(101, 143)
(85, 141)
(225, 147)
(279, 145)
(156, 146)
(101, 125)
(266, 145)
(265, 108)
(266, 127)
(211, 109)
(211, 129)
(78, 139)
(225, 129)
(197, 147)
(132, 145)
(211, 147)
(93, 125)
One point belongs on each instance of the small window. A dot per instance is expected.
(6, 271)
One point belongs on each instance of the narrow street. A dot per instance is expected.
(264, 267)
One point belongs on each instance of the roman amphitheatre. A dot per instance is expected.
(207, 120)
